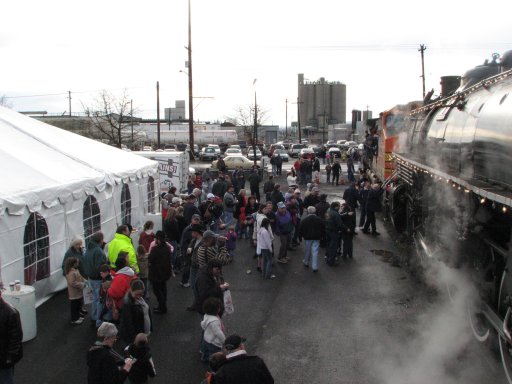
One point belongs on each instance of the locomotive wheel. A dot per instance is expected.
(479, 325)
(505, 302)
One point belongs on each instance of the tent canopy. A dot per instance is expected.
(46, 165)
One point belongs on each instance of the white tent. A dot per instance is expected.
(55, 185)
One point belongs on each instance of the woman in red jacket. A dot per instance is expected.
(123, 276)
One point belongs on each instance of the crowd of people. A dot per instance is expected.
(200, 234)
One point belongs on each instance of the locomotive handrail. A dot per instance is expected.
(484, 190)
(445, 102)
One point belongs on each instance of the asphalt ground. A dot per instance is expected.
(364, 321)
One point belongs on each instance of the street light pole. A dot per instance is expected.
(298, 120)
(190, 95)
(286, 124)
(131, 117)
(255, 139)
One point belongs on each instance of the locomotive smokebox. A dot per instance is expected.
(449, 85)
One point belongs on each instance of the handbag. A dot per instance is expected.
(228, 302)
(88, 296)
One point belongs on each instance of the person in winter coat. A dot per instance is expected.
(264, 248)
(143, 366)
(135, 315)
(240, 367)
(76, 249)
(76, 283)
(284, 229)
(122, 242)
(262, 213)
(213, 329)
(268, 187)
(336, 171)
(373, 205)
(312, 229)
(209, 283)
(254, 183)
(160, 270)
(348, 218)
(333, 227)
(11, 335)
(363, 198)
(147, 235)
(229, 204)
(276, 196)
(122, 277)
(351, 196)
(94, 258)
(104, 364)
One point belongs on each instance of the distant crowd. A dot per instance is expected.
(200, 235)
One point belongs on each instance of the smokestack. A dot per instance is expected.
(449, 85)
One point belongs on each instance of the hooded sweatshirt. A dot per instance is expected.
(120, 285)
(213, 330)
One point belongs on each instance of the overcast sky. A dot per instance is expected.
(53, 46)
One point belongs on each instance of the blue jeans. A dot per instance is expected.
(267, 263)
(228, 218)
(96, 306)
(311, 253)
(7, 375)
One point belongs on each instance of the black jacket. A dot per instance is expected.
(103, 366)
(206, 286)
(312, 227)
(132, 319)
(219, 188)
(243, 369)
(160, 268)
(311, 200)
(143, 367)
(321, 209)
(373, 203)
(11, 334)
(268, 187)
(254, 179)
(351, 196)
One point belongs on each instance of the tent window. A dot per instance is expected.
(92, 218)
(126, 205)
(36, 249)
(151, 195)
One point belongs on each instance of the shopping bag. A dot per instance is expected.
(228, 302)
(88, 296)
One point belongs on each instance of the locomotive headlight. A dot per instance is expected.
(482, 200)
(504, 209)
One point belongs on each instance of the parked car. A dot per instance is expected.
(233, 151)
(182, 147)
(283, 153)
(235, 146)
(208, 153)
(334, 152)
(233, 162)
(316, 149)
(250, 153)
(341, 142)
(347, 145)
(216, 147)
(306, 152)
(286, 143)
(294, 150)
(242, 144)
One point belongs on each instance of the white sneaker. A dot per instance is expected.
(79, 321)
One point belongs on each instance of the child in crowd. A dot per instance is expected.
(105, 301)
(143, 366)
(242, 224)
(76, 284)
(142, 261)
(213, 328)
(231, 237)
(328, 169)
(215, 362)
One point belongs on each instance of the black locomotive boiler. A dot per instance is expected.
(451, 192)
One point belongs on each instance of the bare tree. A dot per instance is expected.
(244, 117)
(111, 116)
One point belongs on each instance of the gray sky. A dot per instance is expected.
(54, 46)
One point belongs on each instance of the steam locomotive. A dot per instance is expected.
(451, 190)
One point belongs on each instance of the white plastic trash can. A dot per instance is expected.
(24, 301)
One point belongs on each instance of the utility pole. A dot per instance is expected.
(69, 93)
(158, 113)
(131, 117)
(286, 124)
(422, 49)
(190, 95)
